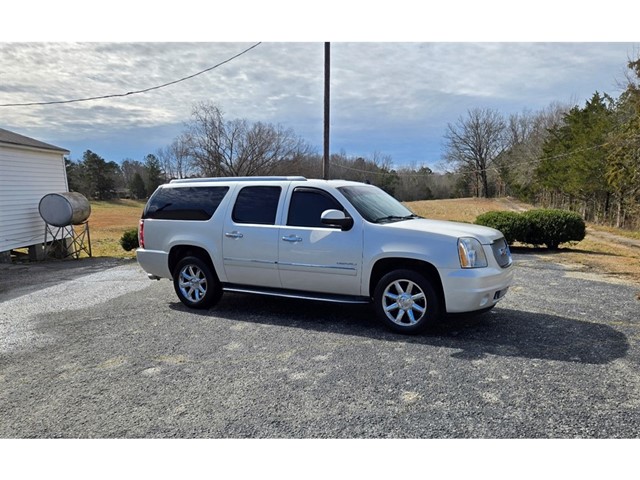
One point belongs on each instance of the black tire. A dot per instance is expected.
(406, 302)
(196, 284)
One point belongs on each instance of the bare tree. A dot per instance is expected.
(237, 148)
(526, 135)
(175, 158)
(474, 142)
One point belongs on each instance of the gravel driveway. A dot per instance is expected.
(92, 348)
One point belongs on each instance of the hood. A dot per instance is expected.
(485, 235)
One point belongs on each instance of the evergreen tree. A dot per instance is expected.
(137, 187)
(155, 174)
(101, 176)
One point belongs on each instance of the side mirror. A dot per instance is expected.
(336, 218)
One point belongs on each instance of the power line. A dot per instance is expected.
(135, 92)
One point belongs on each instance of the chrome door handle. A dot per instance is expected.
(234, 234)
(292, 239)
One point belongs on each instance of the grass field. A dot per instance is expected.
(107, 223)
(598, 252)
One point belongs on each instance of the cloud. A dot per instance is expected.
(386, 96)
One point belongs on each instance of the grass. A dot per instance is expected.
(593, 254)
(109, 220)
(460, 209)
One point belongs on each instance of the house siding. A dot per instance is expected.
(26, 175)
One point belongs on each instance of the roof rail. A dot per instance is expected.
(239, 179)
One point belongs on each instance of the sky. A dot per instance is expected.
(391, 96)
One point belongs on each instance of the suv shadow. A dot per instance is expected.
(501, 332)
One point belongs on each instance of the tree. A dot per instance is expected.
(99, 175)
(574, 160)
(129, 168)
(137, 187)
(623, 152)
(174, 158)
(154, 173)
(237, 148)
(76, 177)
(473, 143)
(526, 134)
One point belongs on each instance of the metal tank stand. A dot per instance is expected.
(67, 241)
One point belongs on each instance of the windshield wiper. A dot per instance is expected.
(395, 218)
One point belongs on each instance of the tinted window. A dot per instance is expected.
(188, 203)
(307, 205)
(257, 205)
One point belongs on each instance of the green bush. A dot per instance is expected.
(511, 224)
(536, 227)
(129, 239)
(553, 227)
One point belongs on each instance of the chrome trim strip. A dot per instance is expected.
(312, 265)
(246, 260)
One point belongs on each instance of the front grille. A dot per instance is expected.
(501, 252)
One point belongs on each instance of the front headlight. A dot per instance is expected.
(471, 253)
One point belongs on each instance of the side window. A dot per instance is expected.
(307, 205)
(257, 205)
(184, 203)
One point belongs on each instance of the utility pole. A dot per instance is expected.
(327, 76)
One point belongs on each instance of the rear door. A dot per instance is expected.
(250, 236)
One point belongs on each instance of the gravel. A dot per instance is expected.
(93, 349)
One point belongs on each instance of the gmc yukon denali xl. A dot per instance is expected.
(334, 240)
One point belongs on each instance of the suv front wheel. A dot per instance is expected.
(195, 283)
(405, 301)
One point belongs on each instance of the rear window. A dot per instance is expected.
(188, 203)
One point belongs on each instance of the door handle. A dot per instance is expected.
(234, 234)
(292, 239)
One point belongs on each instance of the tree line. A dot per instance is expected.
(211, 146)
(581, 158)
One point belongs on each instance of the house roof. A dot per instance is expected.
(12, 138)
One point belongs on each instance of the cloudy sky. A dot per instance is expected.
(390, 97)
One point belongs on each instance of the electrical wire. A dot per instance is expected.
(135, 92)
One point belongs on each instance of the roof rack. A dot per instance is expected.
(239, 179)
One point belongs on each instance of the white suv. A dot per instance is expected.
(330, 240)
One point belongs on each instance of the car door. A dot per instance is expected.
(316, 257)
(250, 237)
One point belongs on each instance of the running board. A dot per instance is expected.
(276, 292)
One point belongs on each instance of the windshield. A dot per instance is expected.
(375, 205)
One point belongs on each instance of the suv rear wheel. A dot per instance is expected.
(195, 283)
(405, 301)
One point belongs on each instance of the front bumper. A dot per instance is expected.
(469, 290)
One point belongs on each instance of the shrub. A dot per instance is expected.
(536, 227)
(512, 225)
(552, 227)
(129, 239)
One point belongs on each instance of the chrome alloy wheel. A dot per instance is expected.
(192, 283)
(404, 302)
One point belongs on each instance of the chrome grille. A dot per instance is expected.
(501, 252)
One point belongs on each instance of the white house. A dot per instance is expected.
(29, 169)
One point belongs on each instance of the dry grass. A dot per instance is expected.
(462, 209)
(596, 253)
(107, 223)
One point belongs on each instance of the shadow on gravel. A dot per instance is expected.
(507, 333)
